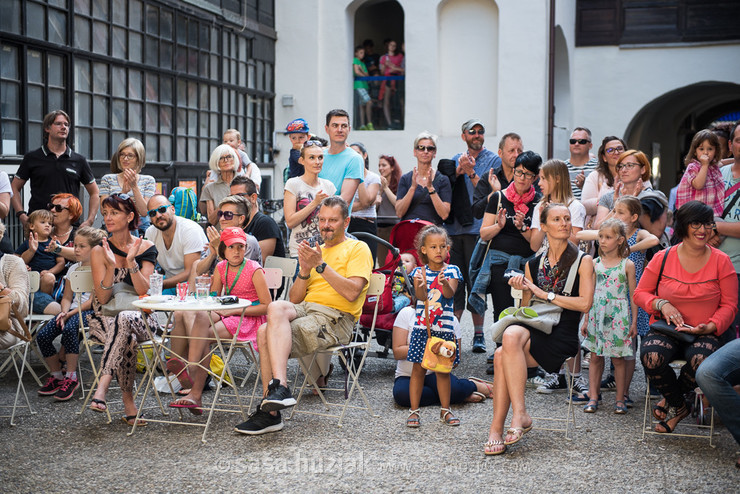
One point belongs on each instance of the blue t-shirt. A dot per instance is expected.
(483, 163)
(42, 260)
(441, 309)
(337, 167)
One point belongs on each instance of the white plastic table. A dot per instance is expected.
(172, 305)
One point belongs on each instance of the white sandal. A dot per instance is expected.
(411, 422)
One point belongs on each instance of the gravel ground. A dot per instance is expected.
(57, 450)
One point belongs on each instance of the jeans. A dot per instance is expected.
(716, 377)
(459, 390)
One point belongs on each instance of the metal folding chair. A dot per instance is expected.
(647, 421)
(346, 355)
(35, 322)
(16, 359)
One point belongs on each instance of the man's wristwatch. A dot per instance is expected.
(472, 177)
(550, 296)
(321, 267)
(432, 192)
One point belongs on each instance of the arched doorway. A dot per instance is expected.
(562, 122)
(664, 127)
(377, 22)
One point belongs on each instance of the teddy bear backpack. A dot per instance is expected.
(439, 354)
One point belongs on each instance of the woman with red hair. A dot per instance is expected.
(66, 209)
(390, 174)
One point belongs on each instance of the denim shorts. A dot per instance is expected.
(40, 301)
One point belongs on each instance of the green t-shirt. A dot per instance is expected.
(359, 84)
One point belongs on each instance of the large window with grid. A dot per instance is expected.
(173, 74)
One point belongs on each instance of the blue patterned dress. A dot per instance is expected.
(638, 258)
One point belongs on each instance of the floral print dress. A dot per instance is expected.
(609, 317)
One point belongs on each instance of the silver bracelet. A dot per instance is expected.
(105, 287)
(660, 303)
(135, 269)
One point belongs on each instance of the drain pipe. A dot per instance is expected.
(551, 81)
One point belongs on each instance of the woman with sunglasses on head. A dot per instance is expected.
(126, 165)
(507, 225)
(126, 260)
(66, 210)
(697, 291)
(224, 162)
(423, 193)
(599, 183)
(303, 195)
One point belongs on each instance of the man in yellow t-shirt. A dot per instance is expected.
(325, 302)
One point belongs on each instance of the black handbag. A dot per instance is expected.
(664, 327)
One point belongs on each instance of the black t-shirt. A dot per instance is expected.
(50, 175)
(510, 239)
(262, 227)
(421, 206)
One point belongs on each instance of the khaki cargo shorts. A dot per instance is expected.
(317, 327)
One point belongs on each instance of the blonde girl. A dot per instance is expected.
(435, 283)
(612, 320)
(702, 180)
(62, 386)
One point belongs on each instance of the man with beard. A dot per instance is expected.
(325, 302)
(179, 241)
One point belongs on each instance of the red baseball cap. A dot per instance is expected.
(233, 235)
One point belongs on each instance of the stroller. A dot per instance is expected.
(401, 242)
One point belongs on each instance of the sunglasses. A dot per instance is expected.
(161, 210)
(473, 132)
(122, 196)
(56, 207)
(617, 149)
(579, 141)
(429, 149)
(309, 144)
(227, 215)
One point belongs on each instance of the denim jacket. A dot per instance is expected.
(480, 271)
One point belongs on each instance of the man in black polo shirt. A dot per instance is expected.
(54, 168)
(263, 227)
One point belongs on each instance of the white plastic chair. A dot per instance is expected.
(375, 289)
(288, 267)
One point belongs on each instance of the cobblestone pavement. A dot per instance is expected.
(57, 450)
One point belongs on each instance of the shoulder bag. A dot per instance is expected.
(121, 299)
(664, 327)
(540, 315)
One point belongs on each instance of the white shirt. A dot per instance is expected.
(189, 237)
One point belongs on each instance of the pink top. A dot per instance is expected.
(709, 295)
(713, 193)
(244, 287)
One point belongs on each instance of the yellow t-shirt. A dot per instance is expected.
(350, 258)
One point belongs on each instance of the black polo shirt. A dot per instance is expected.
(262, 227)
(50, 175)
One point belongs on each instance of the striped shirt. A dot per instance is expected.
(441, 309)
(574, 171)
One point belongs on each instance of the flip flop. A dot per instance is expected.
(479, 397)
(130, 419)
(487, 384)
(517, 432)
(100, 403)
(178, 368)
(188, 403)
(489, 451)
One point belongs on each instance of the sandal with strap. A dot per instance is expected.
(591, 406)
(517, 433)
(673, 413)
(660, 411)
(490, 445)
(412, 421)
(620, 409)
(448, 418)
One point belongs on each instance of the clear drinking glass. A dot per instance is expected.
(202, 287)
(155, 284)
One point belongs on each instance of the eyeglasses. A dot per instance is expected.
(521, 173)
(429, 149)
(227, 215)
(617, 149)
(227, 157)
(628, 166)
(695, 225)
(309, 144)
(473, 132)
(56, 207)
(161, 210)
(579, 141)
(122, 196)
(127, 157)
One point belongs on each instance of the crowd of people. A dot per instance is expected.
(586, 238)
